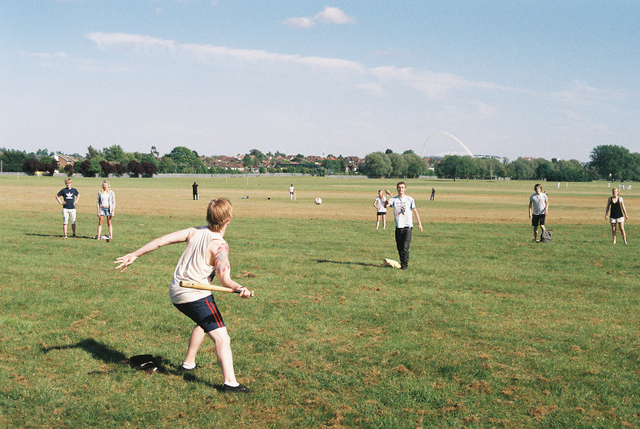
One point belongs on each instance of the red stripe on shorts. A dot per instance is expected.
(215, 313)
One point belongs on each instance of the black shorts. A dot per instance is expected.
(382, 213)
(537, 220)
(204, 312)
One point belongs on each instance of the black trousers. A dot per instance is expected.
(403, 241)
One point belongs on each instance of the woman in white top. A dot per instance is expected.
(106, 208)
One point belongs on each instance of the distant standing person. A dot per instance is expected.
(404, 207)
(618, 214)
(292, 192)
(433, 194)
(70, 197)
(106, 208)
(538, 209)
(380, 203)
(196, 196)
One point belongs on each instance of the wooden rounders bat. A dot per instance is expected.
(204, 286)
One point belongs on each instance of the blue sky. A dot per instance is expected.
(549, 79)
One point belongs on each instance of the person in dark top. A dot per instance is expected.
(196, 196)
(618, 214)
(70, 197)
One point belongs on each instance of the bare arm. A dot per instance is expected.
(174, 237)
(606, 211)
(223, 268)
(415, 211)
(546, 206)
(530, 208)
(58, 200)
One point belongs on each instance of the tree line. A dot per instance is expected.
(608, 162)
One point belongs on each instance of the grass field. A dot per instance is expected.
(486, 328)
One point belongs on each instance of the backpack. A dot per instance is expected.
(546, 236)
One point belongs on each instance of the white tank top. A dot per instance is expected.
(193, 266)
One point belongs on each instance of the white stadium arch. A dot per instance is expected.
(457, 140)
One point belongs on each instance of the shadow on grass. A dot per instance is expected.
(363, 264)
(60, 236)
(103, 352)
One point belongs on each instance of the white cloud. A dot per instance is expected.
(433, 85)
(330, 15)
(299, 22)
(131, 42)
(333, 15)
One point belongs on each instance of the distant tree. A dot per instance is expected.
(377, 164)
(167, 165)
(119, 169)
(612, 162)
(416, 165)
(399, 164)
(522, 169)
(31, 165)
(90, 167)
(388, 151)
(114, 154)
(106, 168)
(13, 160)
(93, 153)
(69, 170)
(50, 167)
(150, 168)
(135, 168)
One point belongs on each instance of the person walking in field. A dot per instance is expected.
(538, 209)
(206, 254)
(433, 194)
(618, 214)
(70, 197)
(106, 208)
(380, 203)
(292, 192)
(404, 207)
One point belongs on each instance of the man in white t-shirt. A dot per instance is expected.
(538, 208)
(403, 209)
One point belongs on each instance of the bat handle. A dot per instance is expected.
(238, 291)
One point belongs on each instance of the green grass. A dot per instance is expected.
(485, 329)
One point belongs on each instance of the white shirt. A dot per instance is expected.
(403, 211)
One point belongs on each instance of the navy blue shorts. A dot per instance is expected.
(204, 312)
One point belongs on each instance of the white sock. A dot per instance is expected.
(236, 384)
(188, 366)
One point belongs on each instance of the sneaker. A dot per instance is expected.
(182, 368)
(237, 389)
(65, 236)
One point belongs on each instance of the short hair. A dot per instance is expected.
(401, 183)
(219, 213)
(536, 186)
(67, 181)
(615, 189)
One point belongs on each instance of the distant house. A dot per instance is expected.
(64, 160)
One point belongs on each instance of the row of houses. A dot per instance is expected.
(353, 163)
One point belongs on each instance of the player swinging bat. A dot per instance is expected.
(206, 254)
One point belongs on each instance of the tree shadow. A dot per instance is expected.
(363, 264)
(109, 355)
